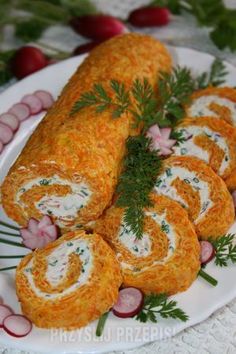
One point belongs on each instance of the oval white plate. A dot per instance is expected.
(200, 301)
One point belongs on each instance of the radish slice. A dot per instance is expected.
(17, 325)
(165, 133)
(33, 102)
(207, 252)
(25, 234)
(20, 110)
(1, 146)
(5, 311)
(45, 221)
(10, 120)
(51, 231)
(45, 98)
(130, 302)
(33, 225)
(6, 133)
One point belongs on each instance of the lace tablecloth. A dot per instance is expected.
(218, 333)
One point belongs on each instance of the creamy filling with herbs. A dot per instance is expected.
(57, 266)
(163, 187)
(188, 147)
(200, 106)
(63, 207)
(143, 247)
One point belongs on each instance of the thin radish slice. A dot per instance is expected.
(1, 146)
(33, 102)
(207, 252)
(45, 221)
(21, 111)
(17, 325)
(45, 97)
(165, 133)
(6, 134)
(130, 302)
(33, 225)
(165, 151)
(51, 231)
(5, 311)
(10, 120)
(25, 234)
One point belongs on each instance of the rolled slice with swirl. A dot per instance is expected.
(70, 165)
(211, 140)
(69, 283)
(194, 184)
(166, 259)
(218, 102)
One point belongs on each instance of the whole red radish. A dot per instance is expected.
(98, 27)
(27, 60)
(149, 16)
(85, 48)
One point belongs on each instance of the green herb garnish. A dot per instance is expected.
(225, 250)
(158, 304)
(101, 324)
(207, 277)
(215, 77)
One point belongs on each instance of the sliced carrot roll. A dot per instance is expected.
(214, 102)
(70, 282)
(70, 165)
(166, 259)
(211, 140)
(197, 188)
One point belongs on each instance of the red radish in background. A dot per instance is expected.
(45, 97)
(33, 102)
(10, 120)
(17, 325)
(85, 48)
(129, 303)
(20, 110)
(27, 60)
(207, 252)
(6, 134)
(98, 27)
(5, 311)
(149, 16)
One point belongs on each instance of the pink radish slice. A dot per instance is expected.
(6, 133)
(207, 252)
(17, 325)
(10, 120)
(165, 151)
(165, 133)
(45, 98)
(45, 221)
(34, 103)
(20, 110)
(26, 234)
(5, 311)
(130, 302)
(51, 231)
(33, 225)
(1, 146)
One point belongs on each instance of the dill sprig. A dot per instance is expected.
(215, 77)
(141, 166)
(158, 304)
(225, 250)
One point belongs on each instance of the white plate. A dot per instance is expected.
(199, 302)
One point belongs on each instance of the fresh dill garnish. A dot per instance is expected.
(215, 77)
(141, 166)
(178, 136)
(225, 250)
(158, 304)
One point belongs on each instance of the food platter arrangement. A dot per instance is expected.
(118, 203)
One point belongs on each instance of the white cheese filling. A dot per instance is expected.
(143, 247)
(163, 187)
(65, 208)
(200, 106)
(189, 148)
(57, 266)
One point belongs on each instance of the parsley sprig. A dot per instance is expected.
(158, 304)
(225, 250)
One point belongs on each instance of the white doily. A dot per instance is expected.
(218, 333)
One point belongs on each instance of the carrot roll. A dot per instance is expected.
(70, 282)
(166, 259)
(211, 140)
(70, 165)
(214, 102)
(197, 188)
